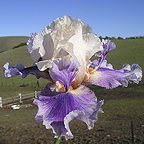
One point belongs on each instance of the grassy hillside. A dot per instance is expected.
(12, 86)
(127, 51)
(7, 43)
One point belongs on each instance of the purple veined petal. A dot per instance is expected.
(94, 63)
(108, 46)
(110, 78)
(36, 72)
(104, 64)
(10, 71)
(64, 71)
(56, 112)
(136, 70)
(77, 114)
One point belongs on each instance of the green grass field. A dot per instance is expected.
(128, 51)
(10, 42)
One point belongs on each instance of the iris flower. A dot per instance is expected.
(62, 53)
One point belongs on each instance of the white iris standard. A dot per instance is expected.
(64, 36)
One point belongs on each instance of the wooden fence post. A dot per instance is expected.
(20, 97)
(132, 132)
(35, 94)
(1, 102)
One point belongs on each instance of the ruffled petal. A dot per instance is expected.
(41, 45)
(10, 71)
(104, 64)
(64, 36)
(110, 78)
(82, 48)
(108, 46)
(57, 111)
(43, 65)
(64, 71)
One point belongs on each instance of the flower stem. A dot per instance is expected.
(57, 141)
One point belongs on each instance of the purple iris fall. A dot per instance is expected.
(62, 53)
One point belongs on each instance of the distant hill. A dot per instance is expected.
(13, 49)
(10, 42)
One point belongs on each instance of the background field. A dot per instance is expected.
(113, 127)
(122, 105)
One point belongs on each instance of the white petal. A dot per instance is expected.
(62, 37)
(43, 65)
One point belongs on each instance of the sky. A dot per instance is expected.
(122, 18)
